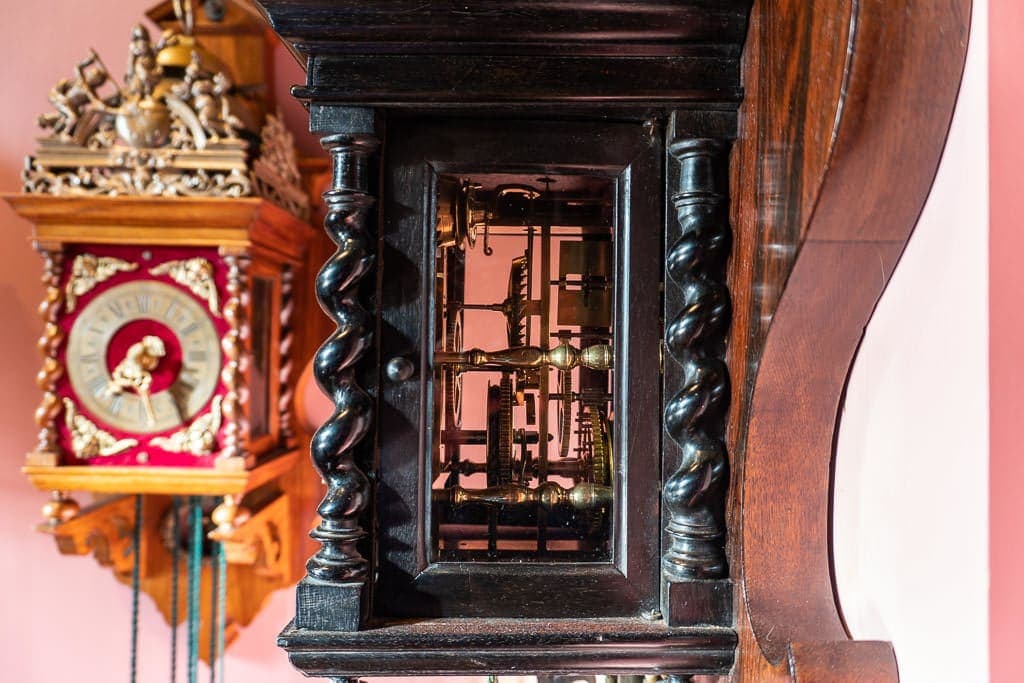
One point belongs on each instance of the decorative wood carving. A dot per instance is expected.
(103, 530)
(696, 378)
(48, 345)
(284, 402)
(235, 358)
(261, 541)
(348, 202)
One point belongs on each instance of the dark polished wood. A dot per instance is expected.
(852, 179)
(846, 108)
(339, 561)
(503, 53)
(629, 156)
(512, 646)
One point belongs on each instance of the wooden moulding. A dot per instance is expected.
(158, 480)
(839, 189)
(512, 646)
(238, 223)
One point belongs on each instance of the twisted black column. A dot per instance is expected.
(696, 376)
(333, 594)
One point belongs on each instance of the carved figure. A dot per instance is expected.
(207, 94)
(73, 97)
(199, 438)
(196, 274)
(143, 73)
(88, 440)
(134, 373)
(87, 271)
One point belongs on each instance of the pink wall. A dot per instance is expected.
(910, 522)
(1006, 342)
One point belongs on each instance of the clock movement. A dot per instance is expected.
(171, 217)
(599, 278)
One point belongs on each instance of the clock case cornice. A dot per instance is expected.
(234, 225)
(515, 54)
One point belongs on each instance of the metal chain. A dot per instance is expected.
(175, 591)
(222, 604)
(215, 580)
(136, 563)
(195, 563)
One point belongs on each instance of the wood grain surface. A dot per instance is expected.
(841, 194)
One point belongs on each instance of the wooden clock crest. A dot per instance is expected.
(170, 215)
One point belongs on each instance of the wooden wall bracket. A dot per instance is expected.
(259, 555)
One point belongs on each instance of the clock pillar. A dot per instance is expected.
(335, 592)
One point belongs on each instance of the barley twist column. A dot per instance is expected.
(698, 311)
(333, 593)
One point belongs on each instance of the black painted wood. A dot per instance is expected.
(629, 155)
(451, 81)
(502, 26)
(512, 646)
(409, 54)
(518, 85)
(339, 567)
(696, 380)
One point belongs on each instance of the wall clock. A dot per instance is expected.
(170, 215)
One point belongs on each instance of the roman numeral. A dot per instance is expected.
(170, 310)
(187, 380)
(98, 386)
(187, 331)
(196, 356)
(116, 402)
(116, 309)
(143, 302)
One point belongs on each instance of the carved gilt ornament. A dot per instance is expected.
(176, 127)
(87, 271)
(199, 438)
(88, 440)
(196, 274)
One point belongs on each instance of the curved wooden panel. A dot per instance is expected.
(901, 76)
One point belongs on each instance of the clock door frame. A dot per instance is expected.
(410, 584)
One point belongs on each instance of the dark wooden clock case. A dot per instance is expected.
(814, 130)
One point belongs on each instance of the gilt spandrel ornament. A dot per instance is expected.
(88, 440)
(175, 127)
(199, 438)
(89, 270)
(196, 274)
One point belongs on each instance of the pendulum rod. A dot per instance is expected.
(136, 552)
(195, 561)
(175, 572)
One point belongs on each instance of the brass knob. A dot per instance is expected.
(399, 369)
